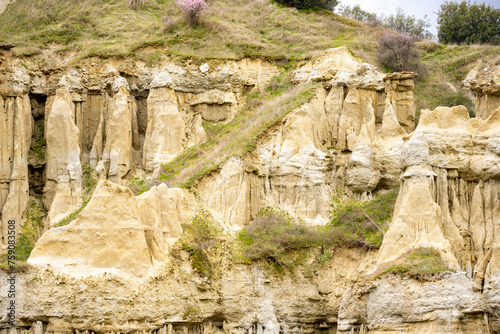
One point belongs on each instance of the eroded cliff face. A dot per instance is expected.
(113, 269)
(484, 82)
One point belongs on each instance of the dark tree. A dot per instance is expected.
(465, 23)
(310, 4)
(398, 52)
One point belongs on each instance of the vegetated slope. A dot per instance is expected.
(229, 29)
(447, 66)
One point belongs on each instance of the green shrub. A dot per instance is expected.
(201, 237)
(310, 4)
(363, 224)
(284, 242)
(421, 261)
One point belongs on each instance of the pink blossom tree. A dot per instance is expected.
(192, 9)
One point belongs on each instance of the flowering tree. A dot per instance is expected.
(192, 9)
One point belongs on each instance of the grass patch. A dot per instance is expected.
(112, 28)
(203, 240)
(421, 261)
(238, 137)
(30, 233)
(89, 183)
(363, 224)
(282, 242)
(286, 243)
(448, 64)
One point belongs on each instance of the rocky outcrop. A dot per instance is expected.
(455, 158)
(399, 90)
(240, 298)
(117, 153)
(165, 134)
(63, 169)
(484, 82)
(332, 142)
(395, 305)
(126, 119)
(15, 137)
(116, 231)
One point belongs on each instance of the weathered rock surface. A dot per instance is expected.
(484, 82)
(116, 231)
(396, 305)
(240, 298)
(165, 134)
(63, 168)
(15, 137)
(111, 215)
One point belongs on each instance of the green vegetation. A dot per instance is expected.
(238, 137)
(448, 64)
(281, 241)
(409, 25)
(461, 22)
(114, 28)
(89, 183)
(357, 13)
(203, 240)
(29, 234)
(138, 185)
(363, 224)
(310, 4)
(421, 261)
(285, 243)
(36, 153)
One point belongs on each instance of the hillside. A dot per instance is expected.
(228, 30)
(259, 173)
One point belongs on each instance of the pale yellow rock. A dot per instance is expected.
(117, 154)
(416, 223)
(63, 168)
(15, 138)
(233, 196)
(216, 106)
(389, 144)
(334, 103)
(484, 82)
(107, 235)
(363, 169)
(358, 110)
(66, 200)
(166, 209)
(327, 64)
(165, 135)
(399, 90)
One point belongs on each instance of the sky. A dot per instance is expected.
(417, 8)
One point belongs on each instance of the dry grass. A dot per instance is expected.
(448, 64)
(229, 29)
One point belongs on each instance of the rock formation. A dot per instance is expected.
(15, 136)
(484, 82)
(116, 232)
(63, 167)
(117, 267)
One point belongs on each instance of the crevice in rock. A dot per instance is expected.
(36, 155)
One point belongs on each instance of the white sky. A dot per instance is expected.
(417, 8)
